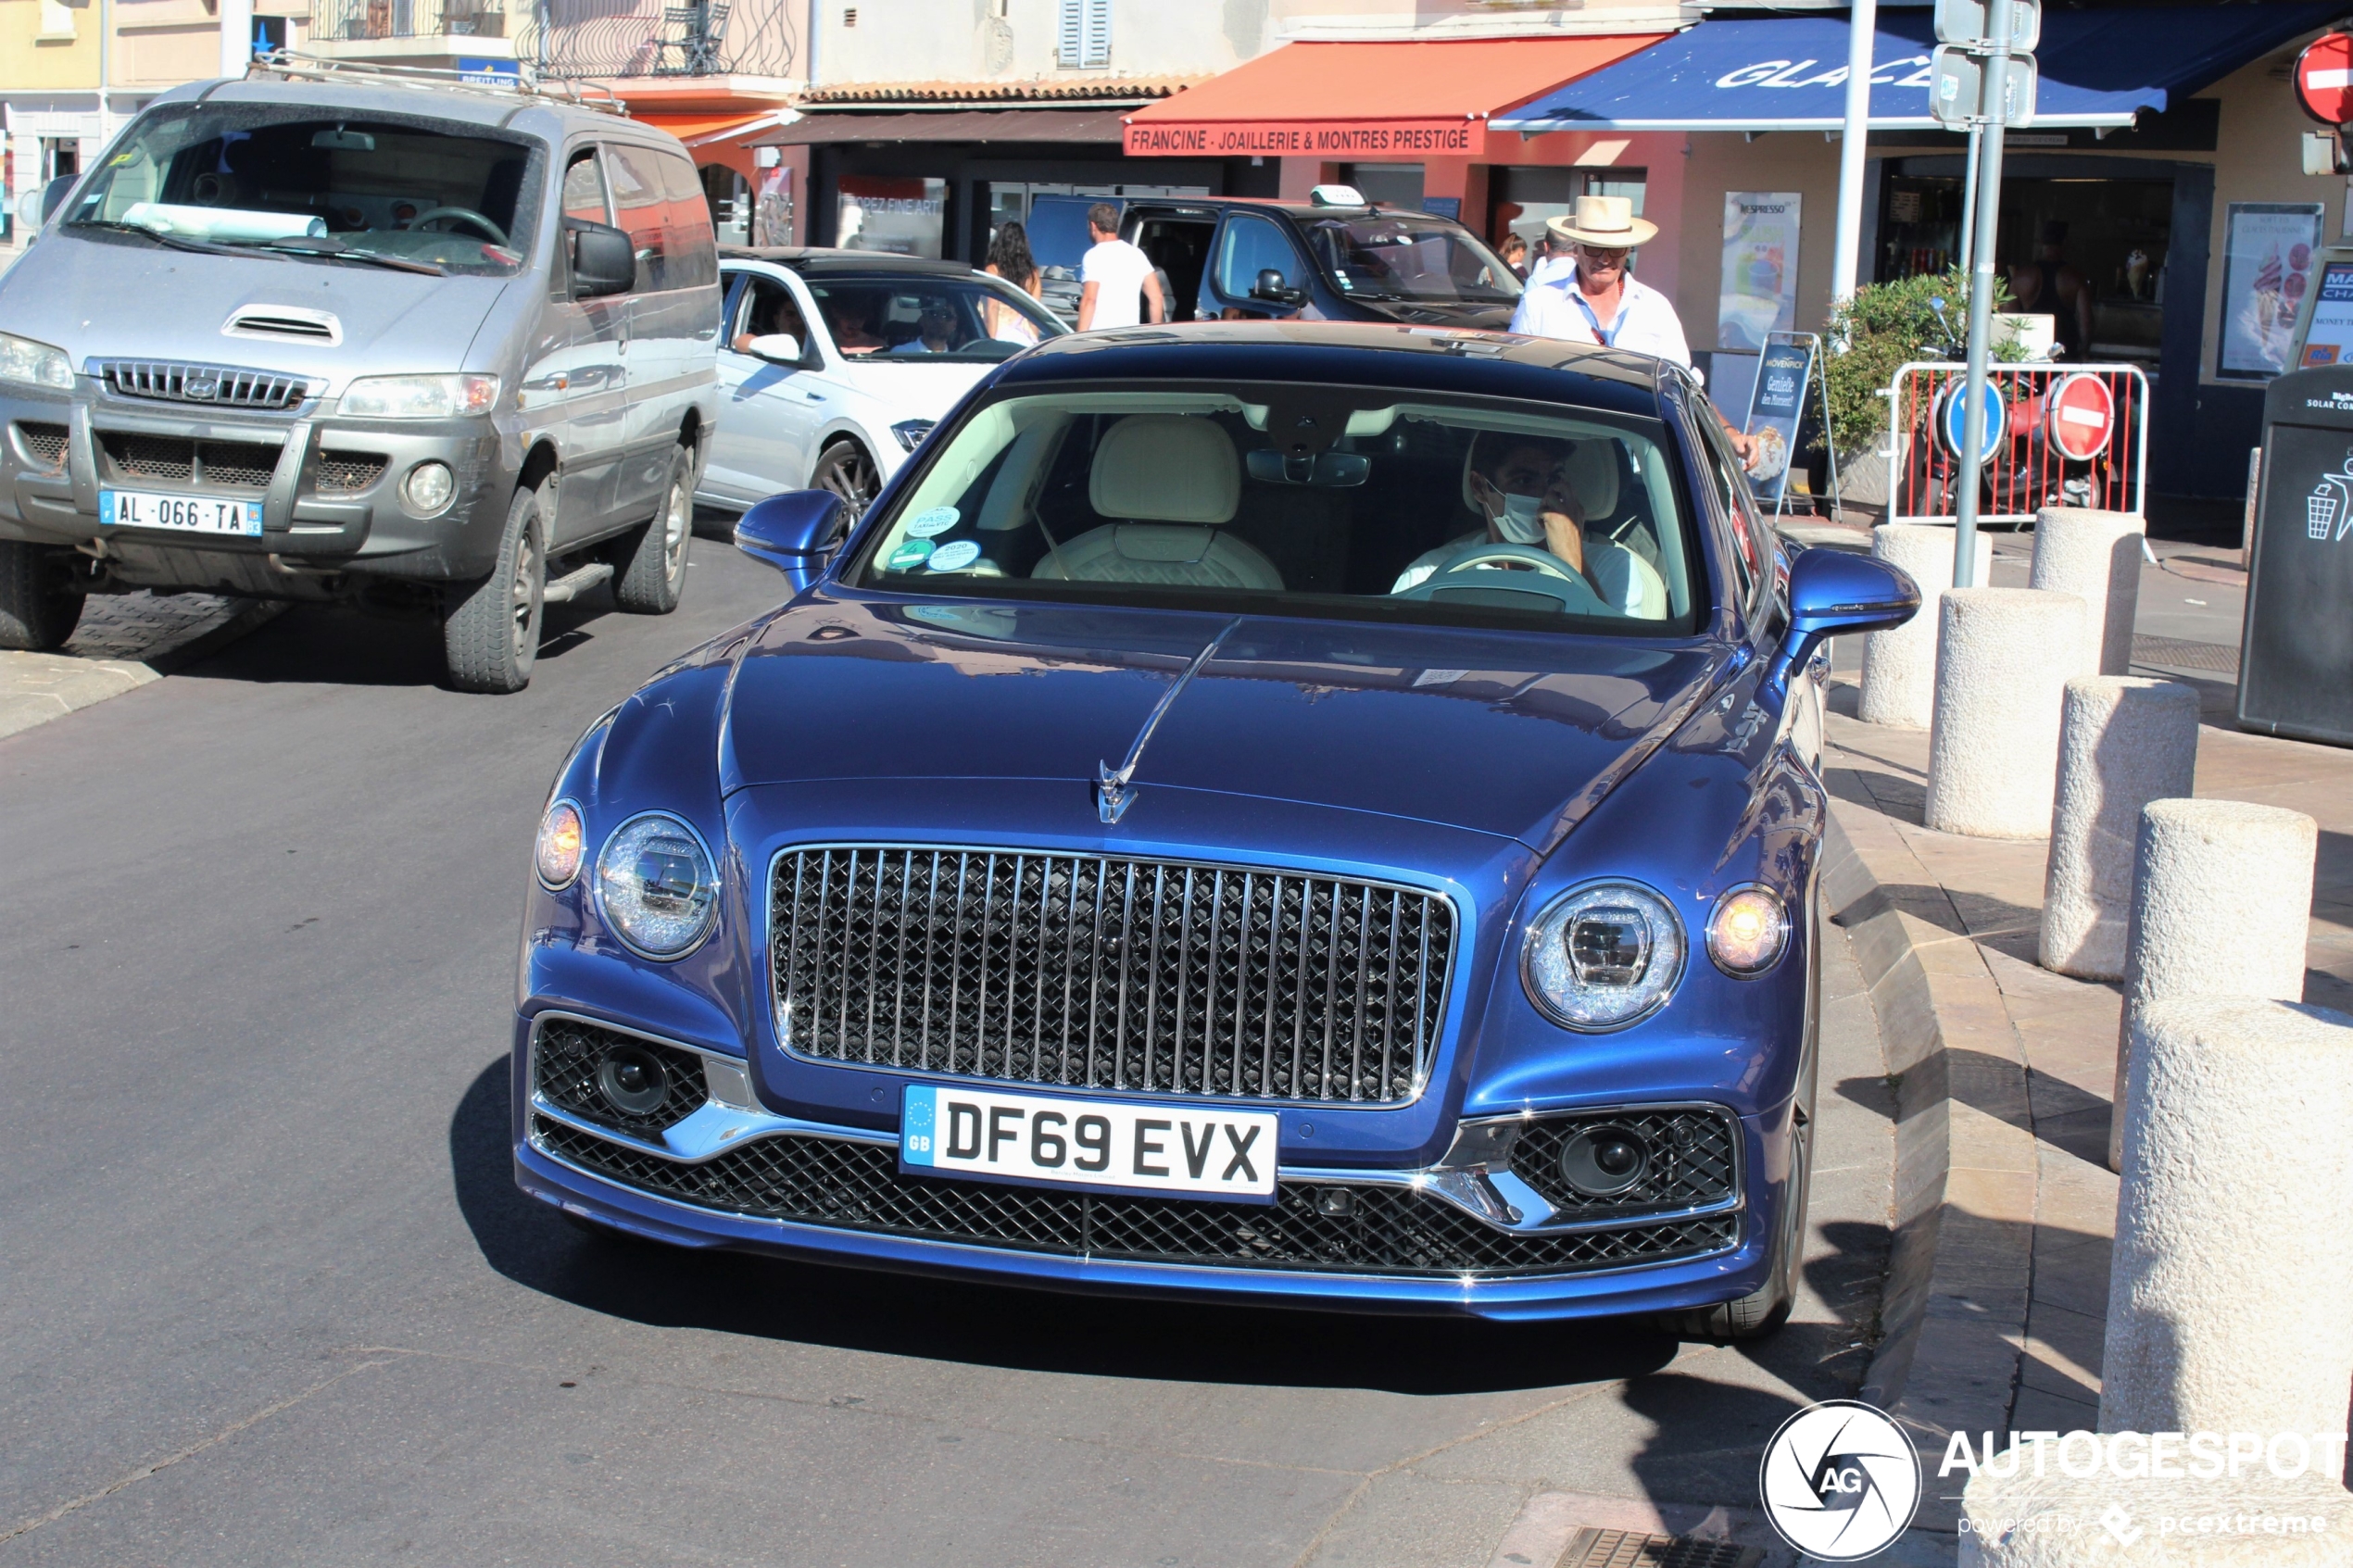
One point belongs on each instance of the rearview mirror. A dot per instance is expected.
(1830, 592)
(602, 262)
(797, 532)
(1325, 470)
(1274, 288)
(777, 348)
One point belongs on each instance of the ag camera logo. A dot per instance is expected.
(1840, 1481)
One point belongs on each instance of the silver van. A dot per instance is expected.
(327, 334)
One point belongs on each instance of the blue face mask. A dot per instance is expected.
(1521, 520)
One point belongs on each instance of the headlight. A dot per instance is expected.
(910, 432)
(1602, 956)
(657, 887)
(557, 852)
(419, 397)
(36, 364)
(1748, 931)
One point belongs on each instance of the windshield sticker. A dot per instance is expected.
(911, 555)
(956, 556)
(939, 519)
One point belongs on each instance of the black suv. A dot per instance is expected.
(1230, 258)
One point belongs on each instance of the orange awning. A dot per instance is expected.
(1368, 100)
(690, 128)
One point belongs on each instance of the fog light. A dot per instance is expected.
(1748, 931)
(633, 1080)
(428, 488)
(1334, 1202)
(1604, 1161)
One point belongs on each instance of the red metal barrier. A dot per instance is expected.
(2053, 452)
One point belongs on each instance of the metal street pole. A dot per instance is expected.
(1993, 108)
(1969, 197)
(1853, 145)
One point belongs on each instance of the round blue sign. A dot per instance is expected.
(1954, 405)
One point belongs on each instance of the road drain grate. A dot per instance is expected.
(2177, 653)
(1631, 1549)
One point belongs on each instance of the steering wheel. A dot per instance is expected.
(496, 235)
(1471, 567)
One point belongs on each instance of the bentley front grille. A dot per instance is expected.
(1109, 972)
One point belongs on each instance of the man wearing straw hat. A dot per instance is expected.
(1593, 298)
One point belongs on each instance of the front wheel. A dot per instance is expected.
(653, 565)
(1763, 1311)
(37, 610)
(846, 471)
(490, 637)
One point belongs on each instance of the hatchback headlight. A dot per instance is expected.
(1602, 956)
(34, 364)
(910, 432)
(657, 887)
(419, 397)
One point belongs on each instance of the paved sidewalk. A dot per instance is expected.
(124, 641)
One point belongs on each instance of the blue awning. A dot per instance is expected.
(1789, 73)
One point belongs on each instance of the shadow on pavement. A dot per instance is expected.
(1038, 1330)
(344, 645)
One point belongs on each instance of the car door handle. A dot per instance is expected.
(813, 397)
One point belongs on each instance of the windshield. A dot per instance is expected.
(945, 318)
(295, 180)
(1302, 499)
(1390, 256)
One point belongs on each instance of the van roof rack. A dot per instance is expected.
(527, 80)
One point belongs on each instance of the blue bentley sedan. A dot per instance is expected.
(1304, 814)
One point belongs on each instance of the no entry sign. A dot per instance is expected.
(2324, 78)
(2082, 417)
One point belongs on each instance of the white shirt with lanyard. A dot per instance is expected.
(1645, 322)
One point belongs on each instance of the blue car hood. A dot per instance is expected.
(1510, 734)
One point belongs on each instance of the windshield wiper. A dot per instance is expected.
(176, 241)
(335, 250)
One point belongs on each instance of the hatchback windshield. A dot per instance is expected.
(1389, 256)
(295, 181)
(1302, 499)
(927, 317)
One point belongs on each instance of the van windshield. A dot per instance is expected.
(1389, 256)
(298, 181)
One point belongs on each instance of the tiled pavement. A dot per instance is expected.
(124, 641)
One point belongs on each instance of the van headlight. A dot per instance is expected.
(656, 886)
(1602, 956)
(34, 364)
(419, 397)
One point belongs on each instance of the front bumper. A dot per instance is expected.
(329, 489)
(1457, 1237)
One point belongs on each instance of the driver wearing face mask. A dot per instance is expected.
(1521, 484)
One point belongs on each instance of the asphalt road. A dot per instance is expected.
(273, 1298)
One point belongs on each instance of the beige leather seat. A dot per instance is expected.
(1178, 481)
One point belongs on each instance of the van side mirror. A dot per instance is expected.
(797, 532)
(1830, 592)
(1273, 287)
(53, 195)
(602, 262)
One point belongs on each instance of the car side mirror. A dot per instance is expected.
(777, 348)
(1273, 287)
(797, 532)
(1833, 593)
(53, 195)
(602, 262)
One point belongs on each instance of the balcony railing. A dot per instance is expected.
(588, 38)
(340, 22)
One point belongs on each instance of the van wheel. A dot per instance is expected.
(37, 610)
(490, 637)
(846, 471)
(653, 562)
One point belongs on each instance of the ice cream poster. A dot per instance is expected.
(1760, 269)
(2267, 265)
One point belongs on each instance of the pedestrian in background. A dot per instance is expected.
(1009, 258)
(1591, 296)
(1114, 277)
(1514, 253)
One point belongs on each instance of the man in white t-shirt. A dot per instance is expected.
(1116, 277)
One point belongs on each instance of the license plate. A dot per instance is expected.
(188, 514)
(1108, 1145)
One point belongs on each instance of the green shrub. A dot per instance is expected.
(1884, 326)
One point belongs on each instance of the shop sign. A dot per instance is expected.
(2324, 78)
(2328, 337)
(1759, 295)
(2267, 266)
(1776, 405)
(901, 216)
(1277, 138)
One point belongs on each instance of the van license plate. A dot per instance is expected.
(1109, 1144)
(188, 514)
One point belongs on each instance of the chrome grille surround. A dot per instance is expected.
(212, 386)
(1110, 971)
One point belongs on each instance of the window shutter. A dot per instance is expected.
(1095, 50)
(1068, 38)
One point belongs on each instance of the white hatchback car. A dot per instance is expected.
(836, 363)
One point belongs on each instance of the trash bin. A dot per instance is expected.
(2295, 658)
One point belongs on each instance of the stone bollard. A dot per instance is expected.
(2222, 906)
(2003, 659)
(2015, 1518)
(2123, 742)
(2096, 556)
(2231, 1217)
(1899, 666)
